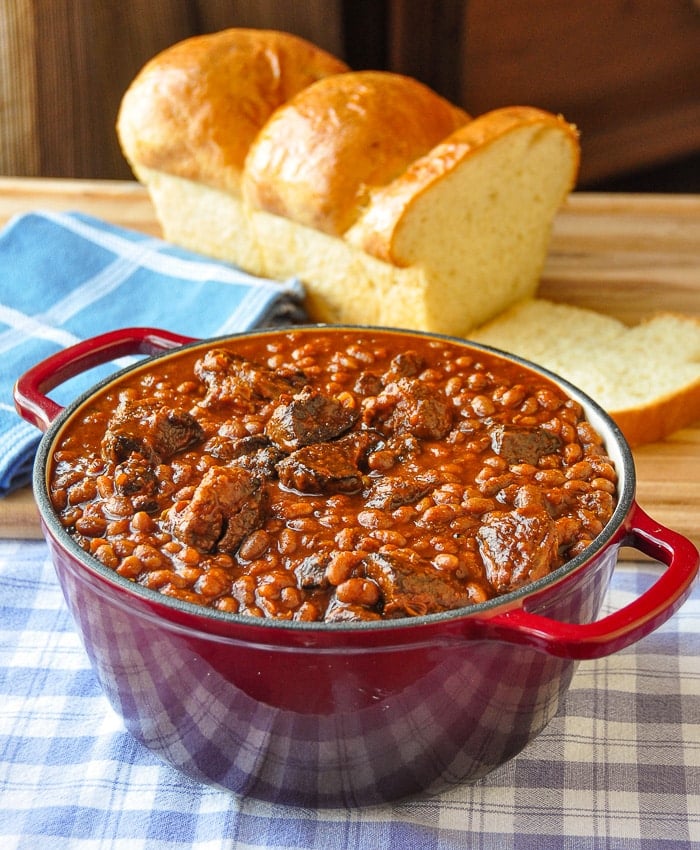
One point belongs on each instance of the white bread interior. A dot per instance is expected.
(348, 285)
(646, 376)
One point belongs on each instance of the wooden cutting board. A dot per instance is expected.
(626, 255)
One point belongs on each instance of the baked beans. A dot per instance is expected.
(332, 475)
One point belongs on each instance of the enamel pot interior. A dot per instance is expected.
(328, 715)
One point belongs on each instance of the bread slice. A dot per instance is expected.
(475, 213)
(357, 183)
(647, 377)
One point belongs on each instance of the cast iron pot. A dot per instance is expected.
(349, 713)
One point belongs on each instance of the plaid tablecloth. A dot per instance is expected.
(617, 769)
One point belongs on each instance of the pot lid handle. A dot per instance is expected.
(625, 626)
(30, 397)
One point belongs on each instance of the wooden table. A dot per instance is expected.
(627, 255)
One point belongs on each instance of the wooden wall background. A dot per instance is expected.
(627, 72)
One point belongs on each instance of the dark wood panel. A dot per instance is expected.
(85, 55)
(425, 41)
(627, 72)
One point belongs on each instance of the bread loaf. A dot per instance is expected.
(393, 206)
(320, 156)
(647, 376)
(195, 108)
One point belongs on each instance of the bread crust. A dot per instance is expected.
(660, 418)
(377, 231)
(322, 153)
(194, 109)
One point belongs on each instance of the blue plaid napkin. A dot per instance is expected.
(67, 276)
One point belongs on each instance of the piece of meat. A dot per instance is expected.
(411, 586)
(255, 453)
(262, 463)
(333, 467)
(228, 448)
(243, 521)
(136, 478)
(407, 364)
(309, 417)
(368, 384)
(418, 410)
(229, 377)
(403, 446)
(149, 428)
(227, 505)
(311, 572)
(392, 491)
(517, 444)
(343, 612)
(517, 547)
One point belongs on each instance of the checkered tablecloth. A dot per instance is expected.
(617, 769)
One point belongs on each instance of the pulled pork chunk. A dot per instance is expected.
(229, 378)
(309, 417)
(517, 547)
(227, 505)
(150, 428)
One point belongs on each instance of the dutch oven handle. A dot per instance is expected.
(625, 626)
(31, 400)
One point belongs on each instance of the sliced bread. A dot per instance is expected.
(390, 204)
(647, 377)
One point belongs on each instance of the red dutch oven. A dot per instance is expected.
(343, 714)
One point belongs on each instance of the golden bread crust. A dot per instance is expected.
(661, 417)
(320, 155)
(195, 108)
(377, 231)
